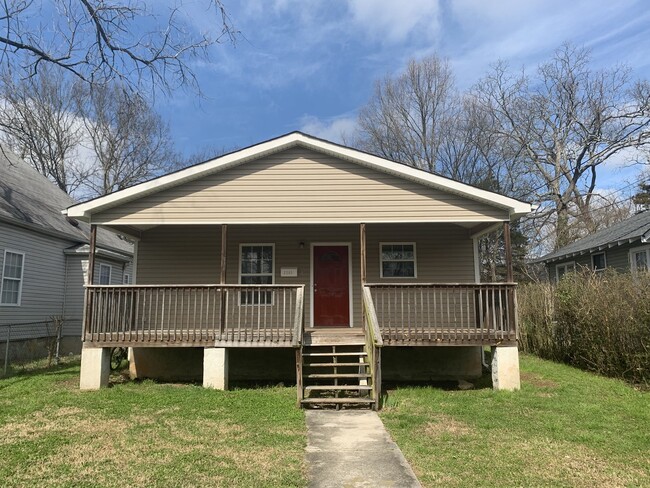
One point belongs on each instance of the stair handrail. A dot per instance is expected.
(374, 343)
(299, 317)
(372, 323)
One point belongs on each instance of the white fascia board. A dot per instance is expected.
(516, 208)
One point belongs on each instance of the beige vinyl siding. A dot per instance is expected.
(191, 254)
(43, 277)
(298, 185)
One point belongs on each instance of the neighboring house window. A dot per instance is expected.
(640, 259)
(397, 260)
(105, 274)
(12, 278)
(564, 268)
(598, 261)
(127, 279)
(256, 268)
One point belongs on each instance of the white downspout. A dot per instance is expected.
(477, 279)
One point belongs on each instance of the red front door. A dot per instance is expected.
(331, 286)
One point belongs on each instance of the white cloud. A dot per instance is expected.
(338, 129)
(396, 21)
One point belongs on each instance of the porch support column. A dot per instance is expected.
(95, 368)
(505, 368)
(222, 276)
(224, 253)
(362, 253)
(91, 254)
(215, 368)
(508, 252)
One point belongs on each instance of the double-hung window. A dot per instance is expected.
(256, 268)
(564, 268)
(640, 259)
(598, 261)
(12, 278)
(398, 260)
(105, 274)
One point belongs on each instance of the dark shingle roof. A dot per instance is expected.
(636, 228)
(28, 198)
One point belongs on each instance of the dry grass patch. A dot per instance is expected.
(147, 435)
(564, 428)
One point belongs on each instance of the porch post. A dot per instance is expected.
(222, 278)
(224, 255)
(508, 252)
(362, 253)
(91, 254)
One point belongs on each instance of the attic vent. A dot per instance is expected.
(72, 222)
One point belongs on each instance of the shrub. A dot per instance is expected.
(598, 322)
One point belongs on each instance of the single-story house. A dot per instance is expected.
(300, 257)
(44, 261)
(624, 246)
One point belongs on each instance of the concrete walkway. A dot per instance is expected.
(353, 449)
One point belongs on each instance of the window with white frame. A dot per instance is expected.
(640, 259)
(127, 279)
(598, 261)
(256, 267)
(564, 268)
(12, 278)
(397, 260)
(105, 274)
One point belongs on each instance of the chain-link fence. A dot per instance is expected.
(28, 341)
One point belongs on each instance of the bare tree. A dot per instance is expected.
(128, 141)
(39, 121)
(406, 118)
(101, 41)
(564, 124)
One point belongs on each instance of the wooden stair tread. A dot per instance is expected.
(330, 354)
(316, 401)
(337, 375)
(338, 387)
(334, 365)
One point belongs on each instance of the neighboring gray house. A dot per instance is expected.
(624, 246)
(44, 257)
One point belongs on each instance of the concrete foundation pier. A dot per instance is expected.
(505, 368)
(215, 368)
(95, 368)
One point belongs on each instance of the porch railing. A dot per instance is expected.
(446, 313)
(193, 314)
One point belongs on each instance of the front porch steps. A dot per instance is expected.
(335, 372)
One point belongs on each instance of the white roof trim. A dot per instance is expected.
(85, 210)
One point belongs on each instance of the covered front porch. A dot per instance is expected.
(218, 317)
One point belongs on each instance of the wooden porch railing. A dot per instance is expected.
(446, 313)
(186, 315)
(374, 343)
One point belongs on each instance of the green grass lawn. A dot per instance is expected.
(564, 428)
(146, 434)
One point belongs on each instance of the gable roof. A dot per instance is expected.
(515, 208)
(30, 200)
(636, 228)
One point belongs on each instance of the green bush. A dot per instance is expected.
(598, 322)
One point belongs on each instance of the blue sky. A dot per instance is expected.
(310, 65)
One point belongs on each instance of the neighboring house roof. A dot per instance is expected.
(30, 200)
(636, 228)
(515, 208)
